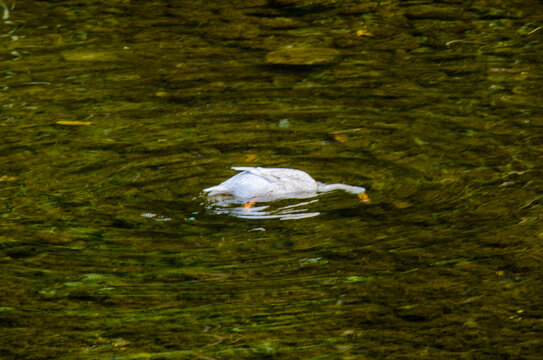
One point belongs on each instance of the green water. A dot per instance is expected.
(116, 114)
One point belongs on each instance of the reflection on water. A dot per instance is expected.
(269, 211)
(155, 217)
(115, 115)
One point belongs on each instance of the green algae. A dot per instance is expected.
(107, 249)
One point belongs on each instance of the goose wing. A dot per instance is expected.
(270, 175)
(283, 180)
(265, 183)
(277, 174)
(249, 182)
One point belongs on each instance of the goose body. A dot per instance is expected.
(259, 184)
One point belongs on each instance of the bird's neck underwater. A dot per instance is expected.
(347, 188)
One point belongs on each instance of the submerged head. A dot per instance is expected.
(357, 190)
(364, 198)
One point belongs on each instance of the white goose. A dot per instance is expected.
(256, 184)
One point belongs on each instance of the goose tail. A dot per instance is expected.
(215, 190)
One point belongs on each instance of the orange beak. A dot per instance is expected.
(364, 198)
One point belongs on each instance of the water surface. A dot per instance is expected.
(115, 115)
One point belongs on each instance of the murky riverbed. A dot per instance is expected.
(115, 115)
